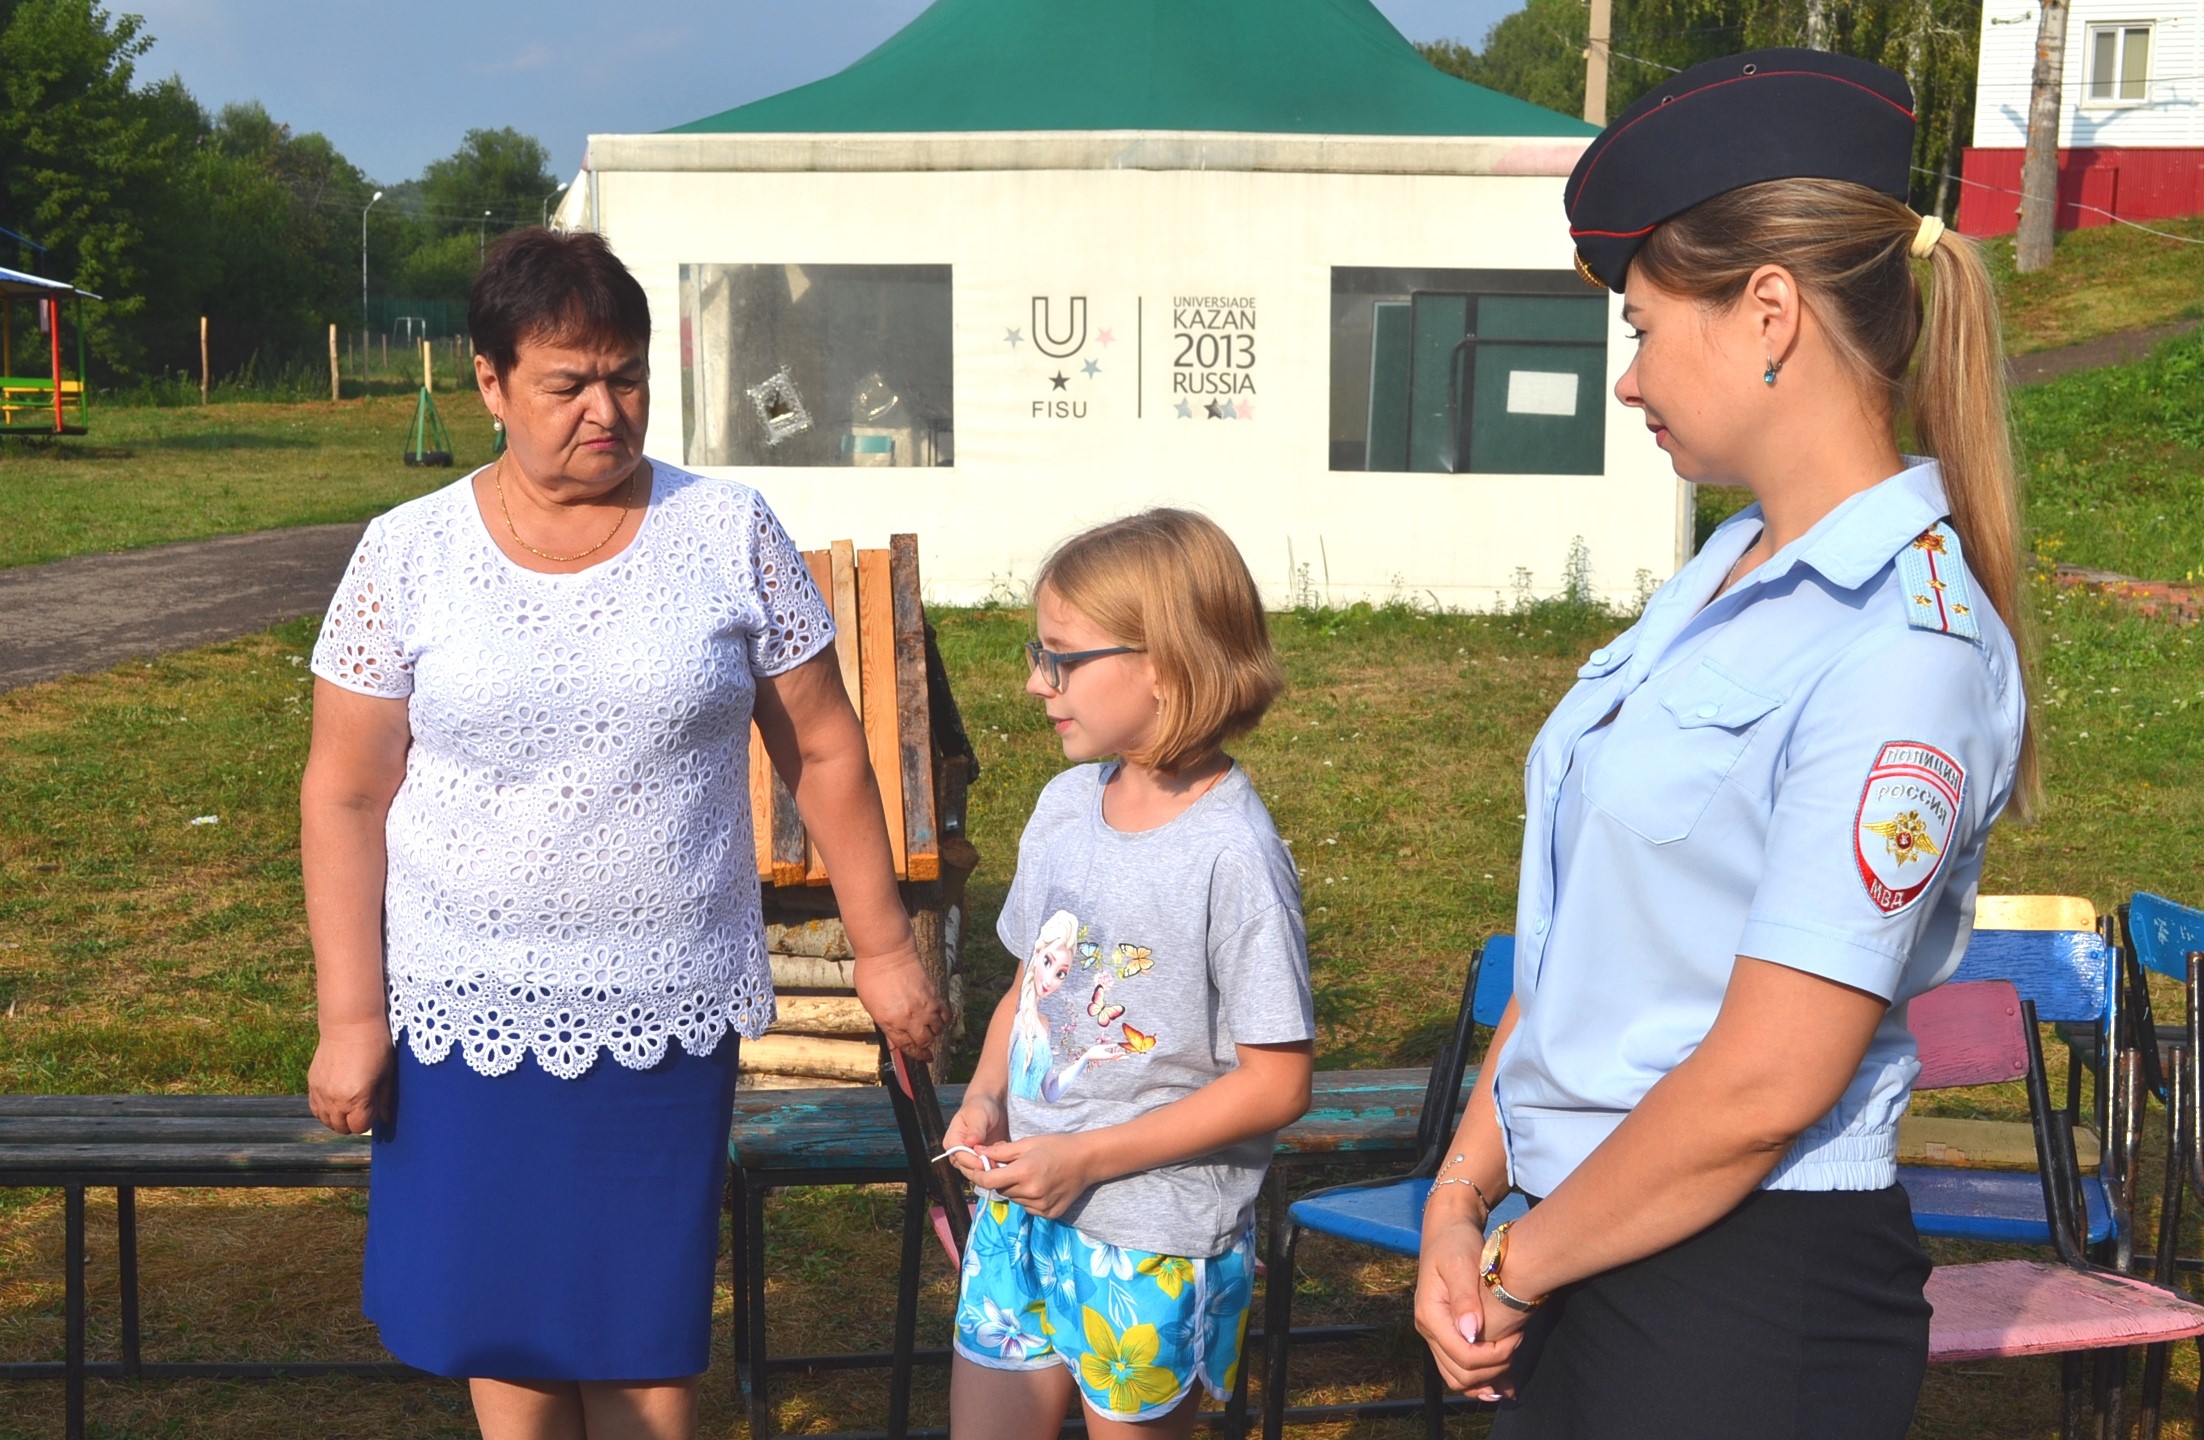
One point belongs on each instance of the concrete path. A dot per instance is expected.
(2124, 348)
(91, 612)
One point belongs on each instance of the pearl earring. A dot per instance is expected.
(497, 422)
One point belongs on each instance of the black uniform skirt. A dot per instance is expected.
(1797, 1316)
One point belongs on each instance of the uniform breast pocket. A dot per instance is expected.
(1671, 749)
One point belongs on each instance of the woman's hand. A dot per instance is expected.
(894, 990)
(1473, 1343)
(348, 1084)
(1044, 1173)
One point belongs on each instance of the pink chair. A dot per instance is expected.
(1982, 1033)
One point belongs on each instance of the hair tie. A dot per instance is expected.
(1924, 239)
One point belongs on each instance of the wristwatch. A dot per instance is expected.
(1496, 1255)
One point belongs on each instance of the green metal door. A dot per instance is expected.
(1385, 434)
(1438, 351)
(1538, 400)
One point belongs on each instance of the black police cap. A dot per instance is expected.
(1763, 115)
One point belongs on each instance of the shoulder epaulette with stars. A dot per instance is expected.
(1934, 579)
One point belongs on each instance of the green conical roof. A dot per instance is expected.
(1324, 67)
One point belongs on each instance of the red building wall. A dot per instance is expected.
(2132, 184)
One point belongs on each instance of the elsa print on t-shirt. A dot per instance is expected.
(1062, 947)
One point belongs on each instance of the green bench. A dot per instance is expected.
(789, 1139)
(124, 1142)
(781, 1139)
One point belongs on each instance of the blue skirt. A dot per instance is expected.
(525, 1227)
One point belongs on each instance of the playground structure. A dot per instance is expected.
(31, 405)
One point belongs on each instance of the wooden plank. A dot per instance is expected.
(1356, 1113)
(2064, 971)
(881, 711)
(2034, 912)
(805, 972)
(761, 805)
(1968, 1033)
(914, 712)
(216, 1130)
(842, 596)
(789, 840)
(175, 1159)
(818, 1015)
(821, 939)
(291, 1106)
(821, 565)
(1981, 1144)
(1996, 1308)
(832, 1059)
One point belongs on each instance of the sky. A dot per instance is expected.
(396, 83)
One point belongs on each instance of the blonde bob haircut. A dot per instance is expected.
(1172, 584)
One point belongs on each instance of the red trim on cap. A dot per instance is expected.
(1733, 80)
(1617, 234)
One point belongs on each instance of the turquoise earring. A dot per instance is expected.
(1773, 366)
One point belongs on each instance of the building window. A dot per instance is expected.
(2119, 64)
(810, 365)
(1468, 371)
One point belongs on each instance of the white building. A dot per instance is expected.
(2131, 113)
(1029, 266)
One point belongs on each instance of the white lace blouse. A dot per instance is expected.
(570, 853)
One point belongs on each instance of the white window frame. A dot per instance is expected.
(2121, 80)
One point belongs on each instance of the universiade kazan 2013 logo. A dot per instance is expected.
(1908, 812)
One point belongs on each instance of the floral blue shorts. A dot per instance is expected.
(1136, 1330)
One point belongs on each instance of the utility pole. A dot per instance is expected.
(1595, 62)
(2039, 165)
(481, 236)
(363, 257)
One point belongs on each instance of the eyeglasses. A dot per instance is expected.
(1054, 663)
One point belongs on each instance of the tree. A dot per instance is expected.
(84, 172)
(1537, 54)
(2039, 163)
(501, 171)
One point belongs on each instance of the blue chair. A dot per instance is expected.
(1388, 1214)
(2069, 976)
(2161, 937)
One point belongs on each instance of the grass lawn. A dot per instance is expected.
(151, 476)
(2124, 494)
(2102, 281)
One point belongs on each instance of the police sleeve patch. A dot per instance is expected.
(1909, 810)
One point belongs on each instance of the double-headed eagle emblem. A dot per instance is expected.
(1905, 835)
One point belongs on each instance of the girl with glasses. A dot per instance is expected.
(1125, 1103)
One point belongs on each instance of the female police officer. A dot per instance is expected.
(1756, 824)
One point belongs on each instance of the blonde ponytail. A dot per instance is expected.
(1850, 250)
(1959, 415)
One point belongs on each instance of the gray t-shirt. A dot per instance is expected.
(1149, 956)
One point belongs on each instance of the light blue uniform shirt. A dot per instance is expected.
(1803, 771)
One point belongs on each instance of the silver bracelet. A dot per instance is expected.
(1444, 1179)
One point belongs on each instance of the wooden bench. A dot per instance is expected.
(786, 1139)
(124, 1142)
(924, 764)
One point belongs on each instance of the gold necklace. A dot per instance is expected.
(497, 478)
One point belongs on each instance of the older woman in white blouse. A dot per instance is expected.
(526, 833)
